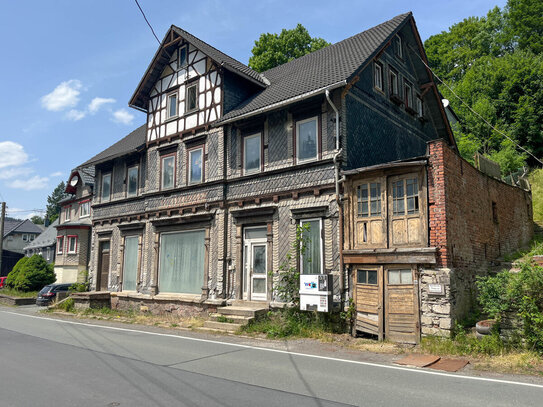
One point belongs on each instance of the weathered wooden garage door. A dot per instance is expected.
(387, 303)
(401, 305)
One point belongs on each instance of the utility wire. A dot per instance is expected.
(147, 21)
(474, 112)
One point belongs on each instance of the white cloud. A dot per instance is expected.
(97, 103)
(123, 116)
(57, 174)
(12, 154)
(29, 184)
(75, 115)
(63, 96)
(19, 213)
(10, 173)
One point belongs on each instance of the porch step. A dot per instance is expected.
(237, 319)
(248, 304)
(222, 326)
(242, 311)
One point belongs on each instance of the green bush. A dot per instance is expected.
(67, 305)
(30, 274)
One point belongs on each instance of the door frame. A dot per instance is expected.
(247, 276)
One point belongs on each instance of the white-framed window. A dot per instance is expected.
(408, 95)
(60, 244)
(181, 262)
(378, 75)
(172, 105)
(130, 263)
(31, 237)
(132, 181)
(72, 244)
(25, 237)
(196, 168)
(369, 199)
(191, 98)
(252, 153)
(105, 194)
(311, 259)
(307, 139)
(67, 210)
(419, 107)
(393, 82)
(84, 209)
(183, 56)
(167, 178)
(398, 49)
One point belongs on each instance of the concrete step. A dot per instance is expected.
(248, 304)
(238, 319)
(241, 311)
(222, 326)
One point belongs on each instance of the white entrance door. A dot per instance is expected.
(255, 275)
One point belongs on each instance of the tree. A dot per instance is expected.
(525, 24)
(272, 50)
(37, 220)
(53, 208)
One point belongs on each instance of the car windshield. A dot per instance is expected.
(45, 289)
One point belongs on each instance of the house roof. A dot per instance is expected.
(24, 226)
(329, 66)
(128, 144)
(47, 238)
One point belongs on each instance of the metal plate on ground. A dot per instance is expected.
(418, 360)
(449, 365)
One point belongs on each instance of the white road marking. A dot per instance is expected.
(356, 362)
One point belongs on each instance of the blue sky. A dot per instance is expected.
(69, 67)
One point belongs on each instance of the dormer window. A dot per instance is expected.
(191, 99)
(183, 56)
(172, 105)
(307, 139)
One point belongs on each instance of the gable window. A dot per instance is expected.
(405, 196)
(378, 76)
(167, 178)
(369, 199)
(398, 46)
(106, 187)
(132, 182)
(67, 213)
(419, 107)
(84, 209)
(408, 95)
(183, 56)
(393, 83)
(307, 139)
(25, 237)
(311, 258)
(31, 237)
(196, 172)
(72, 244)
(172, 105)
(60, 244)
(191, 98)
(252, 153)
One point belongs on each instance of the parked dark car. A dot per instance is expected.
(49, 293)
(2, 280)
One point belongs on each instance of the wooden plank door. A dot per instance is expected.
(103, 268)
(401, 305)
(369, 300)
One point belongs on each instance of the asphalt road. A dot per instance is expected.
(47, 361)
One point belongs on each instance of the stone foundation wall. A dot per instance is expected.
(185, 308)
(435, 308)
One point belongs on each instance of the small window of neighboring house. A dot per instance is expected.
(408, 95)
(183, 56)
(398, 46)
(106, 187)
(191, 98)
(84, 209)
(67, 213)
(307, 139)
(60, 244)
(25, 237)
(405, 197)
(393, 83)
(369, 199)
(252, 153)
(132, 182)
(196, 169)
(311, 257)
(378, 76)
(72, 244)
(172, 105)
(167, 178)
(420, 107)
(48, 255)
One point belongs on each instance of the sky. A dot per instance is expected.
(69, 67)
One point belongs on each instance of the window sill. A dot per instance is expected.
(171, 119)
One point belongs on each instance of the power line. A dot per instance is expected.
(147, 21)
(474, 112)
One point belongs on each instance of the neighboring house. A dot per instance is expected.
(73, 229)
(201, 204)
(17, 234)
(44, 245)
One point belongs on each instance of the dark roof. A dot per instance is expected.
(320, 69)
(87, 174)
(47, 238)
(24, 226)
(129, 144)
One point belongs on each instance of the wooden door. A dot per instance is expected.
(369, 300)
(103, 267)
(401, 305)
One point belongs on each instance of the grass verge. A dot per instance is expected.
(16, 293)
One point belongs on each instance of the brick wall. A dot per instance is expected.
(474, 221)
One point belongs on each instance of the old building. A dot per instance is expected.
(200, 205)
(74, 227)
(17, 234)
(45, 244)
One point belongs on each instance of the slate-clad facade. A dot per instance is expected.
(200, 205)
